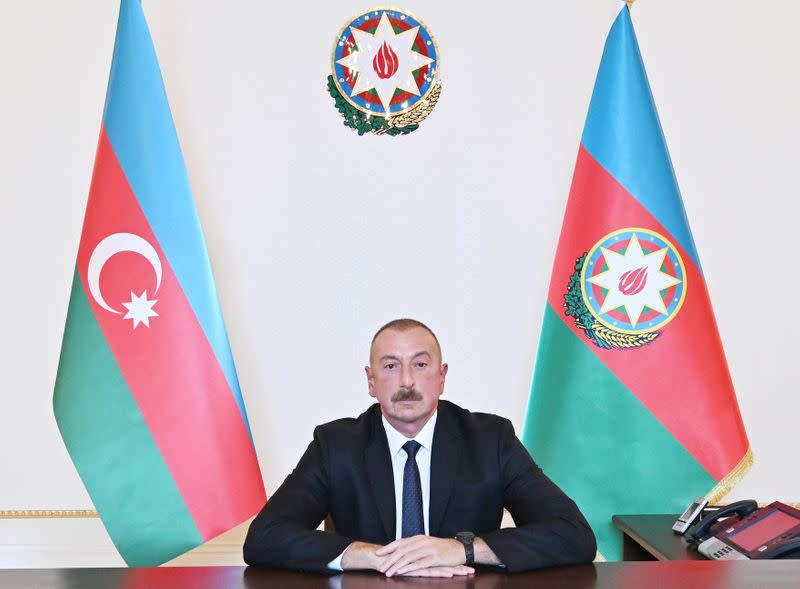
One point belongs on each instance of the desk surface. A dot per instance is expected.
(606, 575)
(653, 533)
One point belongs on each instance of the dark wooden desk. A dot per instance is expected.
(650, 537)
(781, 574)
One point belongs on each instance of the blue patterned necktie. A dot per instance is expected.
(413, 522)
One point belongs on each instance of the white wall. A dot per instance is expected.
(314, 244)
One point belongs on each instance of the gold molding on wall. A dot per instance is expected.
(45, 513)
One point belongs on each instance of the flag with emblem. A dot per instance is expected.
(632, 408)
(146, 397)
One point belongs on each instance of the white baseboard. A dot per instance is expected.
(84, 542)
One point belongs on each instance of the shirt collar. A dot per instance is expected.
(396, 439)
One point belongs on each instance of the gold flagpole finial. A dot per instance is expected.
(630, 4)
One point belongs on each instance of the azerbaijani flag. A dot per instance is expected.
(632, 408)
(147, 398)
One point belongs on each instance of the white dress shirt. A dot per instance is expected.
(399, 456)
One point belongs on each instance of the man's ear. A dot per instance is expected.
(370, 381)
(443, 373)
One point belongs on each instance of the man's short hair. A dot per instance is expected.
(405, 324)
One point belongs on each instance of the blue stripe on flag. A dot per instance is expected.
(139, 125)
(623, 133)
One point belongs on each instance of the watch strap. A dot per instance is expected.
(467, 539)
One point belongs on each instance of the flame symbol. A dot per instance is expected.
(633, 281)
(385, 63)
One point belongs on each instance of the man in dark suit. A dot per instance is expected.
(415, 485)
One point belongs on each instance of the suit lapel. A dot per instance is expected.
(445, 457)
(381, 478)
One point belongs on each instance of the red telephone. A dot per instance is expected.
(741, 531)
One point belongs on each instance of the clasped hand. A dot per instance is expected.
(423, 556)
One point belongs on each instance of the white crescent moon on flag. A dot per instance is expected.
(114, 244)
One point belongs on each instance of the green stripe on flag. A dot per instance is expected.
(100, 421)
(597, 441)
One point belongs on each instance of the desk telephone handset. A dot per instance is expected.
(741, 531)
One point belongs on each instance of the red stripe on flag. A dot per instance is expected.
(682, 377)
(169, 366)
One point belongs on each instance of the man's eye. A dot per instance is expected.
(421, 364)
(390, 366)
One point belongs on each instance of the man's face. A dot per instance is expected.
(406, 376)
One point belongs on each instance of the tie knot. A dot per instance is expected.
(412, 447)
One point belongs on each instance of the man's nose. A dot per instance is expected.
(407, 377)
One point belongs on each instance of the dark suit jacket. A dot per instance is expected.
(478, 467)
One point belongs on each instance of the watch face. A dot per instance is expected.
(465, 536)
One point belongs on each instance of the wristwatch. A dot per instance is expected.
(467, 538)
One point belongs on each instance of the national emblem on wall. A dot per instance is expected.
(385, 76)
